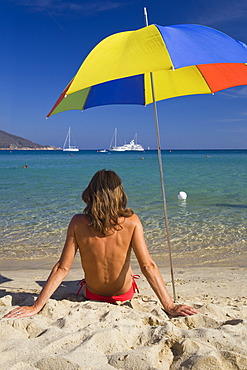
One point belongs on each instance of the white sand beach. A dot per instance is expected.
(71, 333)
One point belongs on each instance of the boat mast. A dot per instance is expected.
(69, 136)
(64, 145)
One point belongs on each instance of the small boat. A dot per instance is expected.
(102, 151)
(69, 148)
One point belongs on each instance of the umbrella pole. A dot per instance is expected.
(162, 185)
(161, 173)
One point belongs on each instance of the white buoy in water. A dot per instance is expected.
(182, 195)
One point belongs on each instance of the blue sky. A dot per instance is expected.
(43, 43)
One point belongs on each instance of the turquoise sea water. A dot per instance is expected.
(209, 227)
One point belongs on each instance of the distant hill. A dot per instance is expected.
(9, 141)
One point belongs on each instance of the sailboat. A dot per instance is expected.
(115, 148)
(69, 148)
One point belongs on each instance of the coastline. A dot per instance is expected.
(180, 261)
(26, 148)
(71, 333)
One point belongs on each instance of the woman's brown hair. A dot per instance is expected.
(106, 201)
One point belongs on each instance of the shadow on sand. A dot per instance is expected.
(67, 290)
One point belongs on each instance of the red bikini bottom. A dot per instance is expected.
(123, 297)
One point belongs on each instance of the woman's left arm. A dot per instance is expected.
(58, 273)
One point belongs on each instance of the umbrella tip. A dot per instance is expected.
(145, 15)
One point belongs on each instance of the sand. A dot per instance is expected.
(71, 333)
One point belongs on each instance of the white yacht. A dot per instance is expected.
(133, 146)
(67, 147)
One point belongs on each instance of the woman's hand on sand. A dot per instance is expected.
(25, 311)
(181, 310)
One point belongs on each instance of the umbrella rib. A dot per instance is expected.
(85, 101)
(204, 79)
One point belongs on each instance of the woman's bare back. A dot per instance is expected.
(105, 259)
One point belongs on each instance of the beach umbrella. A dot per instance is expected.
(156, 63)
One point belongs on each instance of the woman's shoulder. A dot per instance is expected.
(80, 218)
(133, 219)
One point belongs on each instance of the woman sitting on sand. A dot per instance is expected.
(105, 234)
